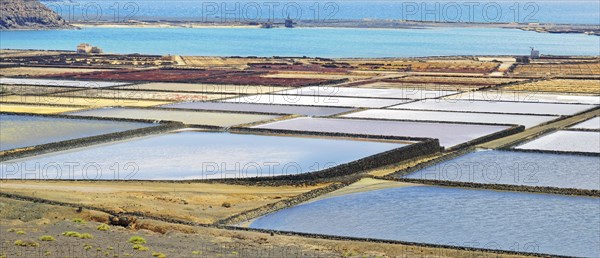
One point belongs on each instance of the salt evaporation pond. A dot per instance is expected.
(195, 155)
(449, 134)
(592, 124)
(203, 87)
(187, 117)
(261, 108)
(496, 107)
(19, 131)
(368, 93)
(517, 168)
(61, 83)
(121, 94)
(540, 223)
(418, 115)
(331, 101)
(567, 141)
(519, 96)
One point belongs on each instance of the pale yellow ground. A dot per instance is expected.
(457, 79)
(458, 65)
(589, 68)
(35, 109)
(364, 185)
(20, 52)
(198, 202)
(34, 71)
(386, 170)
(77, 101)
(31, 90)
(560, 85)
(207, 88)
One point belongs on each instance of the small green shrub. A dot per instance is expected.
(78, 220)
(47, 253)
(140, 247)
(159, 255)
(26, 243)
(71, 234)
(103, 227)
(20, 232)
(47, 238)
(86, 236)
(137, 240)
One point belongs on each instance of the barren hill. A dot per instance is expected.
(28, 14)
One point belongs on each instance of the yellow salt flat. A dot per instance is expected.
(81, 101)
(18, 108)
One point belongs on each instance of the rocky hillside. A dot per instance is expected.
(28, 14)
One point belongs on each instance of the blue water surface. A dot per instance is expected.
(323, 42)
(540, 223)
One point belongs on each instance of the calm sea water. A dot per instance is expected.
(551, 224)
(551, 11)
(321, 42)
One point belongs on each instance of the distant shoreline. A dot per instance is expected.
(362, 24)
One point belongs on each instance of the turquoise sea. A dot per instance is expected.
(322, 42)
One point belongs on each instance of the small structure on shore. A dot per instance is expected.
(289, 23)
(267, 25)
(535, 54)
(85, 48)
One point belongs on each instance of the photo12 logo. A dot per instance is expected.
(92, 11)
(68, 171)
(248, 11)
(470, 11)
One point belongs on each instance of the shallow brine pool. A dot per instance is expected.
(496, 107)
(369, 93)
(567, 141)
(19, 131)
(207, 88)
(419, 115)
(187, 117)
(449, 134)
(519, 96)
(146, 95)
(61, 83)
(517, 168)
(261, 108)
(540, 223)
(332, 101)
(195, 155)
(592, 124)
